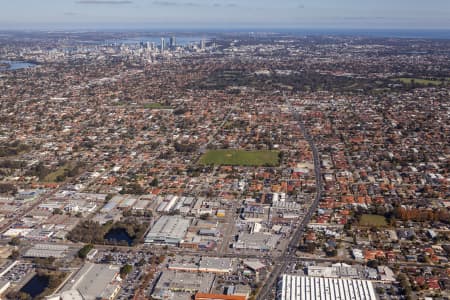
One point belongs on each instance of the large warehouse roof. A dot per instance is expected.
(309, 288)
(168, 230)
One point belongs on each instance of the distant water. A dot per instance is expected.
(16, 65)
(377, 33)
(387, 32)
(381, 33)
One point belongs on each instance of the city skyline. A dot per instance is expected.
(223, 14)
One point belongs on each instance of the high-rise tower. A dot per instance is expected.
(163, 44)
(173, 42)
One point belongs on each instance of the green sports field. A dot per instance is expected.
(240, 158)
(420, 81)
(372, 220)
(156, 105)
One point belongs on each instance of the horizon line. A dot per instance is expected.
(221, 29)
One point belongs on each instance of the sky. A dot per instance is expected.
(224, 14)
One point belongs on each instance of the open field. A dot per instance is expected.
(52, 177)
(60, 174)
(372, 220)
(419, 81)
(156, 105)
(240, 158)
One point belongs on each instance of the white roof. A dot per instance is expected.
(304, 287)
(169, 227)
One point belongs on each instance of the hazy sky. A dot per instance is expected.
(412, 14)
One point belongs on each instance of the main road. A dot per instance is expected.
(282, 262)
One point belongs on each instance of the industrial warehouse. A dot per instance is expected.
(168, 230)
(292, 287)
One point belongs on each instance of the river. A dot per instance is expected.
(15, 65)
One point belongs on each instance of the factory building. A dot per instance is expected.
(292, 287)
(93, 281)
(168, 230)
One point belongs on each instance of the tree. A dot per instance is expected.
(331, 252)
(15, 254)
(310, 247)
(125, 270)
(60, 178)
(57, 211)
(83, 252)
(17, 295)
(15, 241)
(204, 216)
(372, 263)
(44, 263)
(133, 188)
(154, 182)
(8, 188)
(127, 213)
(280, 156)
(186, 148)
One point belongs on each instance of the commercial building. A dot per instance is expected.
(47, 250)
(386, 274)
(173, 42)
(217, 265)
(4, 285)
(93, 281)
(256, 241)
(304, 287)
(168, 230)
(205, 264)
(204, 296)
(183, 263)
(181, 282)
(254, 264)
(66, 295)
(163, 44)
(335, 271)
